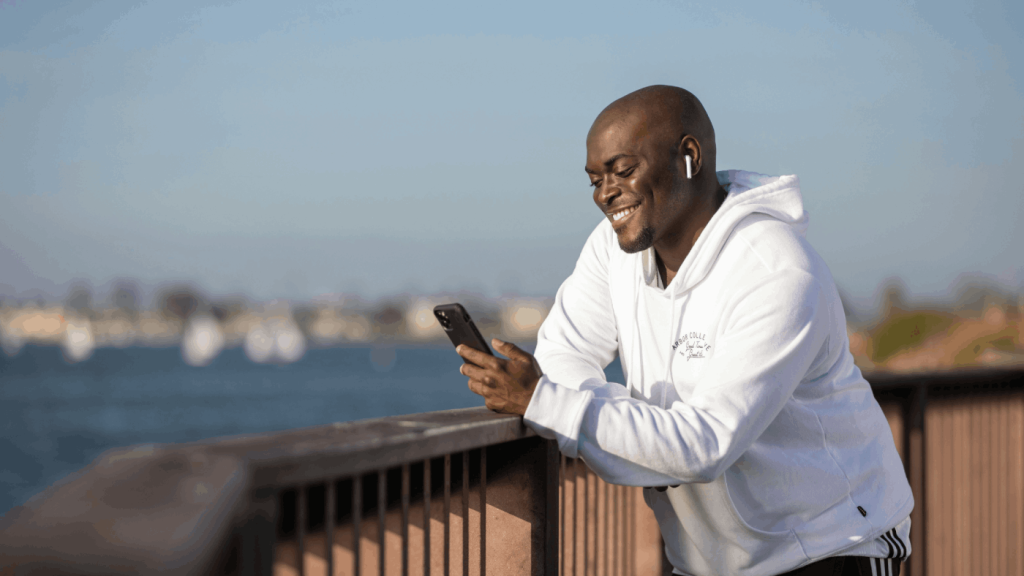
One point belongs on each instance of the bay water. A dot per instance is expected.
(56, 417)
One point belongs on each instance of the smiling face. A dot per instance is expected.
(633, 164)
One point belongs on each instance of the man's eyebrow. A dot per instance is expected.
(607, 162)
(612, 160)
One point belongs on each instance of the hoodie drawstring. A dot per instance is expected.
(636, 330)
(673, 332)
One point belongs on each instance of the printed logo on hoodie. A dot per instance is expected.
(693, 345)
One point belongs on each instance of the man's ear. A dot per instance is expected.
(689, 146)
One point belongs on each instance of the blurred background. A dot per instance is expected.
(235, 217)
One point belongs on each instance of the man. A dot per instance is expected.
(741, 405)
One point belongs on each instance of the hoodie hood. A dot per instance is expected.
(749, 193)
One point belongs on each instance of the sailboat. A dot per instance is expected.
(202, 340)
(78, 342)
(276, 340)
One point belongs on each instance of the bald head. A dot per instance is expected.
(640, 152)
(665, 113)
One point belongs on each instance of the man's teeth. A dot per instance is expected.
(620, 215)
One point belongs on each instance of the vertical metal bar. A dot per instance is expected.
(616, 552)
(607, 528)
(465, 513)
(483, 511)
(259, 534)
(993, 498)
(357, 516)
(405, 520)
(628, 528)
(447, 512)
(561, 523)
(625, 530)
(631, 567)
(300, 528)
(971, 447)
(426, 517)
(1002, 487)
(549, 474)
(915, 450)
(984, 510)
(575, 514)
(619, 531)
(623, 519)
(586, 521)
(382, 504)
(329, 525)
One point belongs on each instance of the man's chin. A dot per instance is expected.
(638, 242)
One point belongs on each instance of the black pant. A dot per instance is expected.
(849, 566)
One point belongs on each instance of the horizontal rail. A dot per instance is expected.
(963, 379)
(346, 449)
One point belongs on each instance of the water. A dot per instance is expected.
(56, 417)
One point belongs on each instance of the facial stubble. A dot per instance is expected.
(643, 241)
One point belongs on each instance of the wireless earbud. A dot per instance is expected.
(689, 174)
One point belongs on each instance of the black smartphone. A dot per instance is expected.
(459, 327)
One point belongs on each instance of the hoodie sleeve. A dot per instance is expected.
(574, 344)
(774, 334)
(578, 338)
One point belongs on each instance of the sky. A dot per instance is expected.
(292, 149)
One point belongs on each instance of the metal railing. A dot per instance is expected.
(960, 434)
(402, 520)
(599, 522)
(605, 529)
(403, 495)
(469, 492)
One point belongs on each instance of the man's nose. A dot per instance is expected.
(607, 194)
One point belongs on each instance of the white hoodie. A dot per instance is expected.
(740, 388)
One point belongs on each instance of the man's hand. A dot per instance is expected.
(506, 385)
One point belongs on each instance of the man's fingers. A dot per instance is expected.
(476, 373)
(517, 354)
(511, 350)
(476, 387)
(477, 357)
